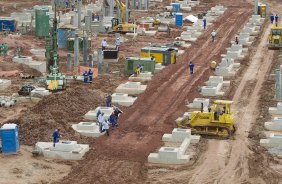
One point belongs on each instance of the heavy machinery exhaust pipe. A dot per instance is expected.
(202, 107)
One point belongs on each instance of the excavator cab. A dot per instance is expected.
(218, 121)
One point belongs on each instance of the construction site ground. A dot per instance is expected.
(122, 157)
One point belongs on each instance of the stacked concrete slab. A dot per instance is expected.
(66, 150)
(131, 88)
(214, 86)
(37, 65)
(276, 110)
(159, 67)
(4, 84)
(274, 125)
(123, 99)
(197, 103)
(174, 155)
(88, 129)
(142, 77)
(91, 115)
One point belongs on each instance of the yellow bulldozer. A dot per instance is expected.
(218, 121)
(275, 38)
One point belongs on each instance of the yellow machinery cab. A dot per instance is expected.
(275, 38)
(163, 54)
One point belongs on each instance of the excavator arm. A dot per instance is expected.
(122, 10)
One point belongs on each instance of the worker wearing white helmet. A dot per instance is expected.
(117, 43)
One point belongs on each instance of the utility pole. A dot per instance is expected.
(256, 7)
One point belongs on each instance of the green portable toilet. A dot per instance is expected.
(42, 22)
(132, 62)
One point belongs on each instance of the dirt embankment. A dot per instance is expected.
(261, 162)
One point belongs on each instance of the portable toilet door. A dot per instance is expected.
(263, 11)
(10, 138)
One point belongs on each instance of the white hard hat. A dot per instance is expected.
(118, 38)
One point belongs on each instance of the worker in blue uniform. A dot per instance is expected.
(112, 120)
(90, 74)
(191, 67)
(205, 23)
(56, 136)
(271, 18)
(109, 101)
(85, 74)
(276, 20)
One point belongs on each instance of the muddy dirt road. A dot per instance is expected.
(125, 152)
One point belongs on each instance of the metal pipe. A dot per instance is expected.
(76, 50)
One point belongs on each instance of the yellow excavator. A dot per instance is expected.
(218, 121)
(275, 38)
(122, 26)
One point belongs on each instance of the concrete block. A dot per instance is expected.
(22, 59)
(274, 125)
(158, 67)
(131, 88)
(212, 90)
(225, 71)
(171, 155)
(66, 150)
(150, 33)
(88, 129)
(179, 134)
(215, 80)
(276, 110)
(91, 115)
(274, 140)
(197, 103)
(39, 66)
(38, 52)
(4, 84)
(123, 99)
(142, 77)
(39, 92)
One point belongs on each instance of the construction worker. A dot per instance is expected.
(276, 20)
(117, 43)
(104, 44)
(101, 120)
(112, 120)
(90, 75)
(191, 67)
(117, 112)
(141, 68)
(205, 23)
(5, 48)
(105, 127)
(153, 58)
(271, 18)
(67, 3)
(236, 40)
(1, 48)
(85, 74)
(213, 34)
(109, 101)
(137, 71)
(56, 136)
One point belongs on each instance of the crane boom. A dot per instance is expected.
(122, 10)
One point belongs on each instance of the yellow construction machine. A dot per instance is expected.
(275, 38)
(122, 26)
(218, 121)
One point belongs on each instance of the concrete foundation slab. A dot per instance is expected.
(197, 103)
(274, 125)
(142, 77)
(123, 99)
(215, 80)
(171, 155)
(276, 110)
(212, 90)
(4, 84)
(38, 52)
(39, 66)
(22, 59)
(131, 88)
(91, 115)
(274, 140)
(88, 129)
(179, 134)
(67, 150)
(158, 67)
